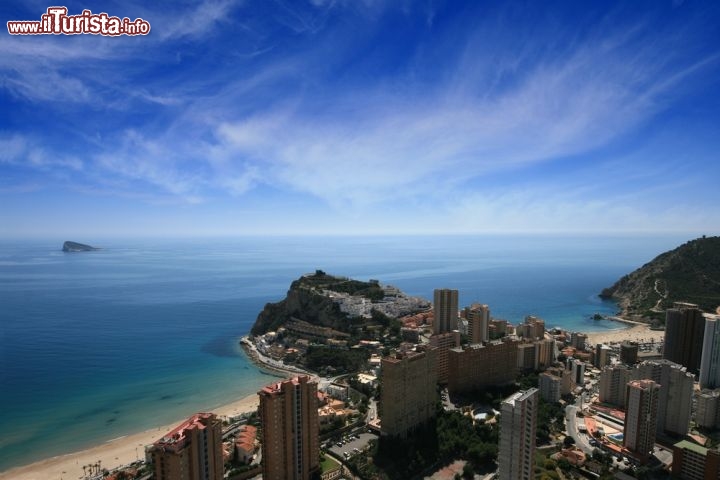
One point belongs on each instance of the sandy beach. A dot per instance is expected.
(114, 453)
(636, 333)
(125, 450)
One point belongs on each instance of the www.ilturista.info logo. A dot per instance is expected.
(57, 22)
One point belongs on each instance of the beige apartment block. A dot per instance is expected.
(191, 451)
(290, 429)
(409, 391)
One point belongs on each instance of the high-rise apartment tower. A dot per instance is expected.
(445, 310)
(684, 333)
(409, 391)
(478, 317)
(289, 416)
(192, 450)
(710, 359)
(518, 421)
(642, 404)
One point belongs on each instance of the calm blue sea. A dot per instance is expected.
(100, 344)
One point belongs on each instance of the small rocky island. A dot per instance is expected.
(77, 247)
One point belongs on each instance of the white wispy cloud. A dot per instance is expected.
(38, 85)
(540, 210)
(200, 20)
(20, 150)
(40, 69)
(153, 162)
(359, 145)
(371, 146)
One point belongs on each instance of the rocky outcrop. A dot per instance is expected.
(77, 247)
(337, 303)
(689, 273)
(303, 304)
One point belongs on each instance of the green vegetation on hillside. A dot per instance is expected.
(329, 360)
(305, 301)
(689, 273)
(439, 442)
(322, 281)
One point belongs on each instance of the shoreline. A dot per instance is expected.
(634, 332)
(270, 365)
(126, 449)
(114, 453)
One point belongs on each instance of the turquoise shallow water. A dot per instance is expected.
(100, 344)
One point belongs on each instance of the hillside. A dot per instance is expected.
(689, 273)
(337, 303)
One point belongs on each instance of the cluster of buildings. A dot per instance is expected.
(289, 413)
(660, 396)
(489, 358)
(394, 303)
(656, 396)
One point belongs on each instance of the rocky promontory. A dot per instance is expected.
(689, 273)
(77, 247)
(336, 303)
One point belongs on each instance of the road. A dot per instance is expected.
(581, 439)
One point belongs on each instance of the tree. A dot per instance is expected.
(564, 464)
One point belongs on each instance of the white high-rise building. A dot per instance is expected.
(676, 391)
(550, 387)
(613, 383)
(710, 360)
(707, 412)
(516, 455)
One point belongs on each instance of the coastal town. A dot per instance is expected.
(415, 389)
(360, 240)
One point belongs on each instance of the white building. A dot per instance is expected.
(613, 382)
(710, 360)
(706, 414)
(550, 387)
(676, 391)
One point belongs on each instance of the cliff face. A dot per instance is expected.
(307, 301)
(689, 273)
(302, 304)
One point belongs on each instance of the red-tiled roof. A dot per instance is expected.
(177, 435)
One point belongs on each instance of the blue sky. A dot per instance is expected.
(364, 117)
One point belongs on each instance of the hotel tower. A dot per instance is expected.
(518, 421)
(289, 416)
(192, 450)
